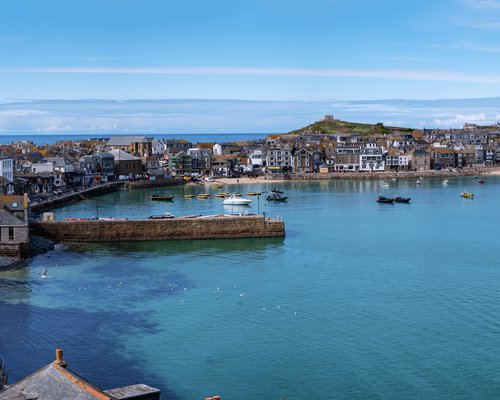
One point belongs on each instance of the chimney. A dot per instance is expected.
(59, 358)
(26, 205)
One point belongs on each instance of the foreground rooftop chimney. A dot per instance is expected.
(59, 358)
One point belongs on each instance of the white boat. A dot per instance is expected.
(445, 182)
(235, 200)
(418, 181)
(385, 185)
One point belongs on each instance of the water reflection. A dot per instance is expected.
(173, 247)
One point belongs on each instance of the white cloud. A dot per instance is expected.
(21, 113)
(461, 119)
(420, 75)
(493, 26)
(484, 4)
(477, 47)
(215, 116)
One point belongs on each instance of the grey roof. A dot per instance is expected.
(54, 382)
(6, 218)
(58, 161)
(126, 140)
(121, 155)
(104, 154)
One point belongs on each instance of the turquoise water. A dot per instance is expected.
(360, 300)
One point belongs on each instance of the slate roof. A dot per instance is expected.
(54, 382)
(6, 218)
(121, 155)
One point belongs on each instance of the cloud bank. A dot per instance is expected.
(231, 116)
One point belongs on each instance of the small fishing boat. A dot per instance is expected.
(203, 196)
(385, 185)
(237, 201)
(236, 194)
(467, 195)
(274, 190)
(221, 195)
(167, 215)
(276, 197)
(188, 196)
(418, 182)
(383, 199)
(216, 186)
(481, 181)
(399, 199)
(254, 193)
(159, 197)
(445, 182)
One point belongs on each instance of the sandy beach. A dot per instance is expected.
(243, 180)
(494, 171)
(356, 175)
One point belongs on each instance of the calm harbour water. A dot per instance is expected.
(360, 300)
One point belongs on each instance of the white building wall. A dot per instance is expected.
(7, 168)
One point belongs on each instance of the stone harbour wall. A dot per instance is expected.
(215, 227)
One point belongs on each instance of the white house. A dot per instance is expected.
(42, 167)
(256, 158)
(217, 149)
(7, 168)
(371, 159)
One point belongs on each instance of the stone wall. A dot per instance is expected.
(163, 229)
(14, 250)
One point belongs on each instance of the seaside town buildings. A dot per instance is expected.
(65, 165)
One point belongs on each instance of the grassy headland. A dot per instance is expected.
(337, 126)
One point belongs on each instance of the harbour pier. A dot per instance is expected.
(221, 226)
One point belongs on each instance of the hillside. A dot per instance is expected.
(336, 126)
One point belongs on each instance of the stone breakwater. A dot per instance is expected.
(183, 228)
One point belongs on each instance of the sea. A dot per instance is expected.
(39, 140)
(359, 300)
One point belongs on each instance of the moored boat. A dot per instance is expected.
(276, 197)
(188, 196)
(167, 215)
(467, 195)
(274, 190)
(383, 199)
(159, 197)
(254, 193)
(235, 200)
(399, 199)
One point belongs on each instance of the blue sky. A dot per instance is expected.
(269, 51)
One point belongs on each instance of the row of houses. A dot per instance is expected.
(26, 167)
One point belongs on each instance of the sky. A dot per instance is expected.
(252, 57)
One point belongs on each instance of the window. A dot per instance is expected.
(11, 233)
